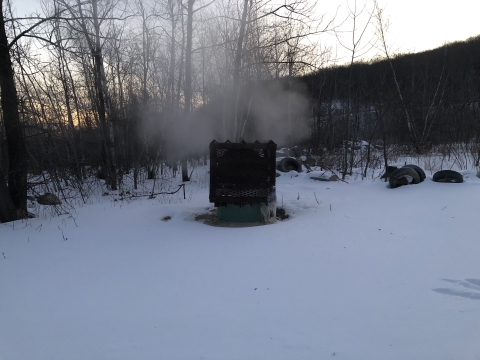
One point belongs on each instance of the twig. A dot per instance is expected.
(74, 220)
(168, 193)
(159, 193)
(63, 236)
(191, 172)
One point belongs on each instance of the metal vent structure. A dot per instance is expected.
(242, 172)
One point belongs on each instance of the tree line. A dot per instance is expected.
(112, 86)
(415, 101)
(115, 87)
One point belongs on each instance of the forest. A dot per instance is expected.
(115, 88)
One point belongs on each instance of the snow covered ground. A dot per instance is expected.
(358, 271)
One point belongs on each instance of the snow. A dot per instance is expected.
(358, 271)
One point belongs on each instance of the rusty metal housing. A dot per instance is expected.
(242, 172)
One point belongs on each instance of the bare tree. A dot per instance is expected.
(17, 152)
(91, 32)
(358, 47)
(418, 134)
(15, 139)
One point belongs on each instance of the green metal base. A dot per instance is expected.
(240, 213)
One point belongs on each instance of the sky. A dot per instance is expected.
(415, 25)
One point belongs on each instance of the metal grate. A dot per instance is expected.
(242, 172)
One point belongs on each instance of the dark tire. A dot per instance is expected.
(399, 177)
(419, 171)
(448, 176)
(388, 172)
(288, 164)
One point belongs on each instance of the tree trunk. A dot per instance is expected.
(104, 111)
(237, 66)
(188, 81)
(8, 212)
(16, 148)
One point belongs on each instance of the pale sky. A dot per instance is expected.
(415, 25)
(418, 25)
